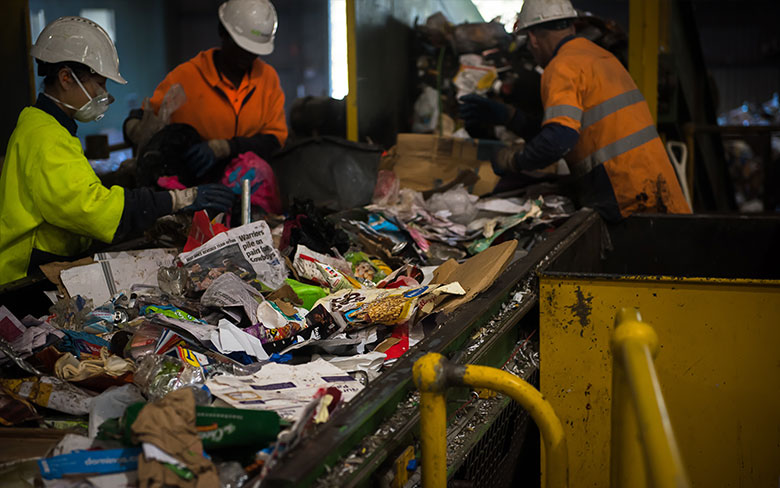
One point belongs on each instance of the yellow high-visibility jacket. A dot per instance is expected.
(50, 197)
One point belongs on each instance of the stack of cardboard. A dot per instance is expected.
(425, 162)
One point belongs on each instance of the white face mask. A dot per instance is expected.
(94, 109)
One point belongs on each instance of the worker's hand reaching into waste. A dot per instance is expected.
(476, 109)
(215, 196)
(202, 157)
(504, 162)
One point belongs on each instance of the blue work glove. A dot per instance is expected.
(214, 196)
(503, 161)
(475, 109)
(200, 159)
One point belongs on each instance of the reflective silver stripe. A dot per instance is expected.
(562, 111)
(610, 106)
(615, 149)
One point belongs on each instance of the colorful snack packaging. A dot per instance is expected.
(50, 392)
(356, 309)
(366, 268)
(320, 269)
(169, 311)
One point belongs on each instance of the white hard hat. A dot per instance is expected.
(536, 12)
(80, 40)
(251, 24)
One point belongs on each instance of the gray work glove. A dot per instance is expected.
(214, 196)
(504, 161)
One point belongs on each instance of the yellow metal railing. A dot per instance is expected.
(644, 451)
(433, 374)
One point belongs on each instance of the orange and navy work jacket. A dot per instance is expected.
(585, 88)
(219, 110)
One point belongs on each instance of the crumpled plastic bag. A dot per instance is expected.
(426, 111)
(386, 191)
(264, 189)
(111, 404)
(456, 204)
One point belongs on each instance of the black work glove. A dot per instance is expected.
(200, 159)
(475, 109)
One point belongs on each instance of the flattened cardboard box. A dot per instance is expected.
(425, 162)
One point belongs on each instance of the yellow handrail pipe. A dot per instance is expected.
(352, 78)
(433, 374)
(644, 451)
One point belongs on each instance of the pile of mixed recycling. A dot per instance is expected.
(205, 365)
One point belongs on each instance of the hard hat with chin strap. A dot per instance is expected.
(80, 40)
(250, 23)
(535, 12)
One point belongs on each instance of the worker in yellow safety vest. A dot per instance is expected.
(594, 117)
(52, 204)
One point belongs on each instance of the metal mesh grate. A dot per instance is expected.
(492, 461)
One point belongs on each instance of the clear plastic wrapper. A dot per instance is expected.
(143, 341)
(173, 280)
(158, 375)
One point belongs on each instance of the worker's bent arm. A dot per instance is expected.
(69, 195)
(550, 145)
(142, 207)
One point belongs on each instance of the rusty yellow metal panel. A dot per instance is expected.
(719, 369)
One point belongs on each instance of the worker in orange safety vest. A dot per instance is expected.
(594, 117)
(233, 99)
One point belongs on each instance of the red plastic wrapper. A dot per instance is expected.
(202, 230)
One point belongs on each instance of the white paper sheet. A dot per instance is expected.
(283, 388)
(115, 272)
(229, 338)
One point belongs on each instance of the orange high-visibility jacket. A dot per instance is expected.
(217, 109)
(586, 88)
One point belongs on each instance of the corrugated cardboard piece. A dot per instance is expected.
(425, 162)
(475, 275)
